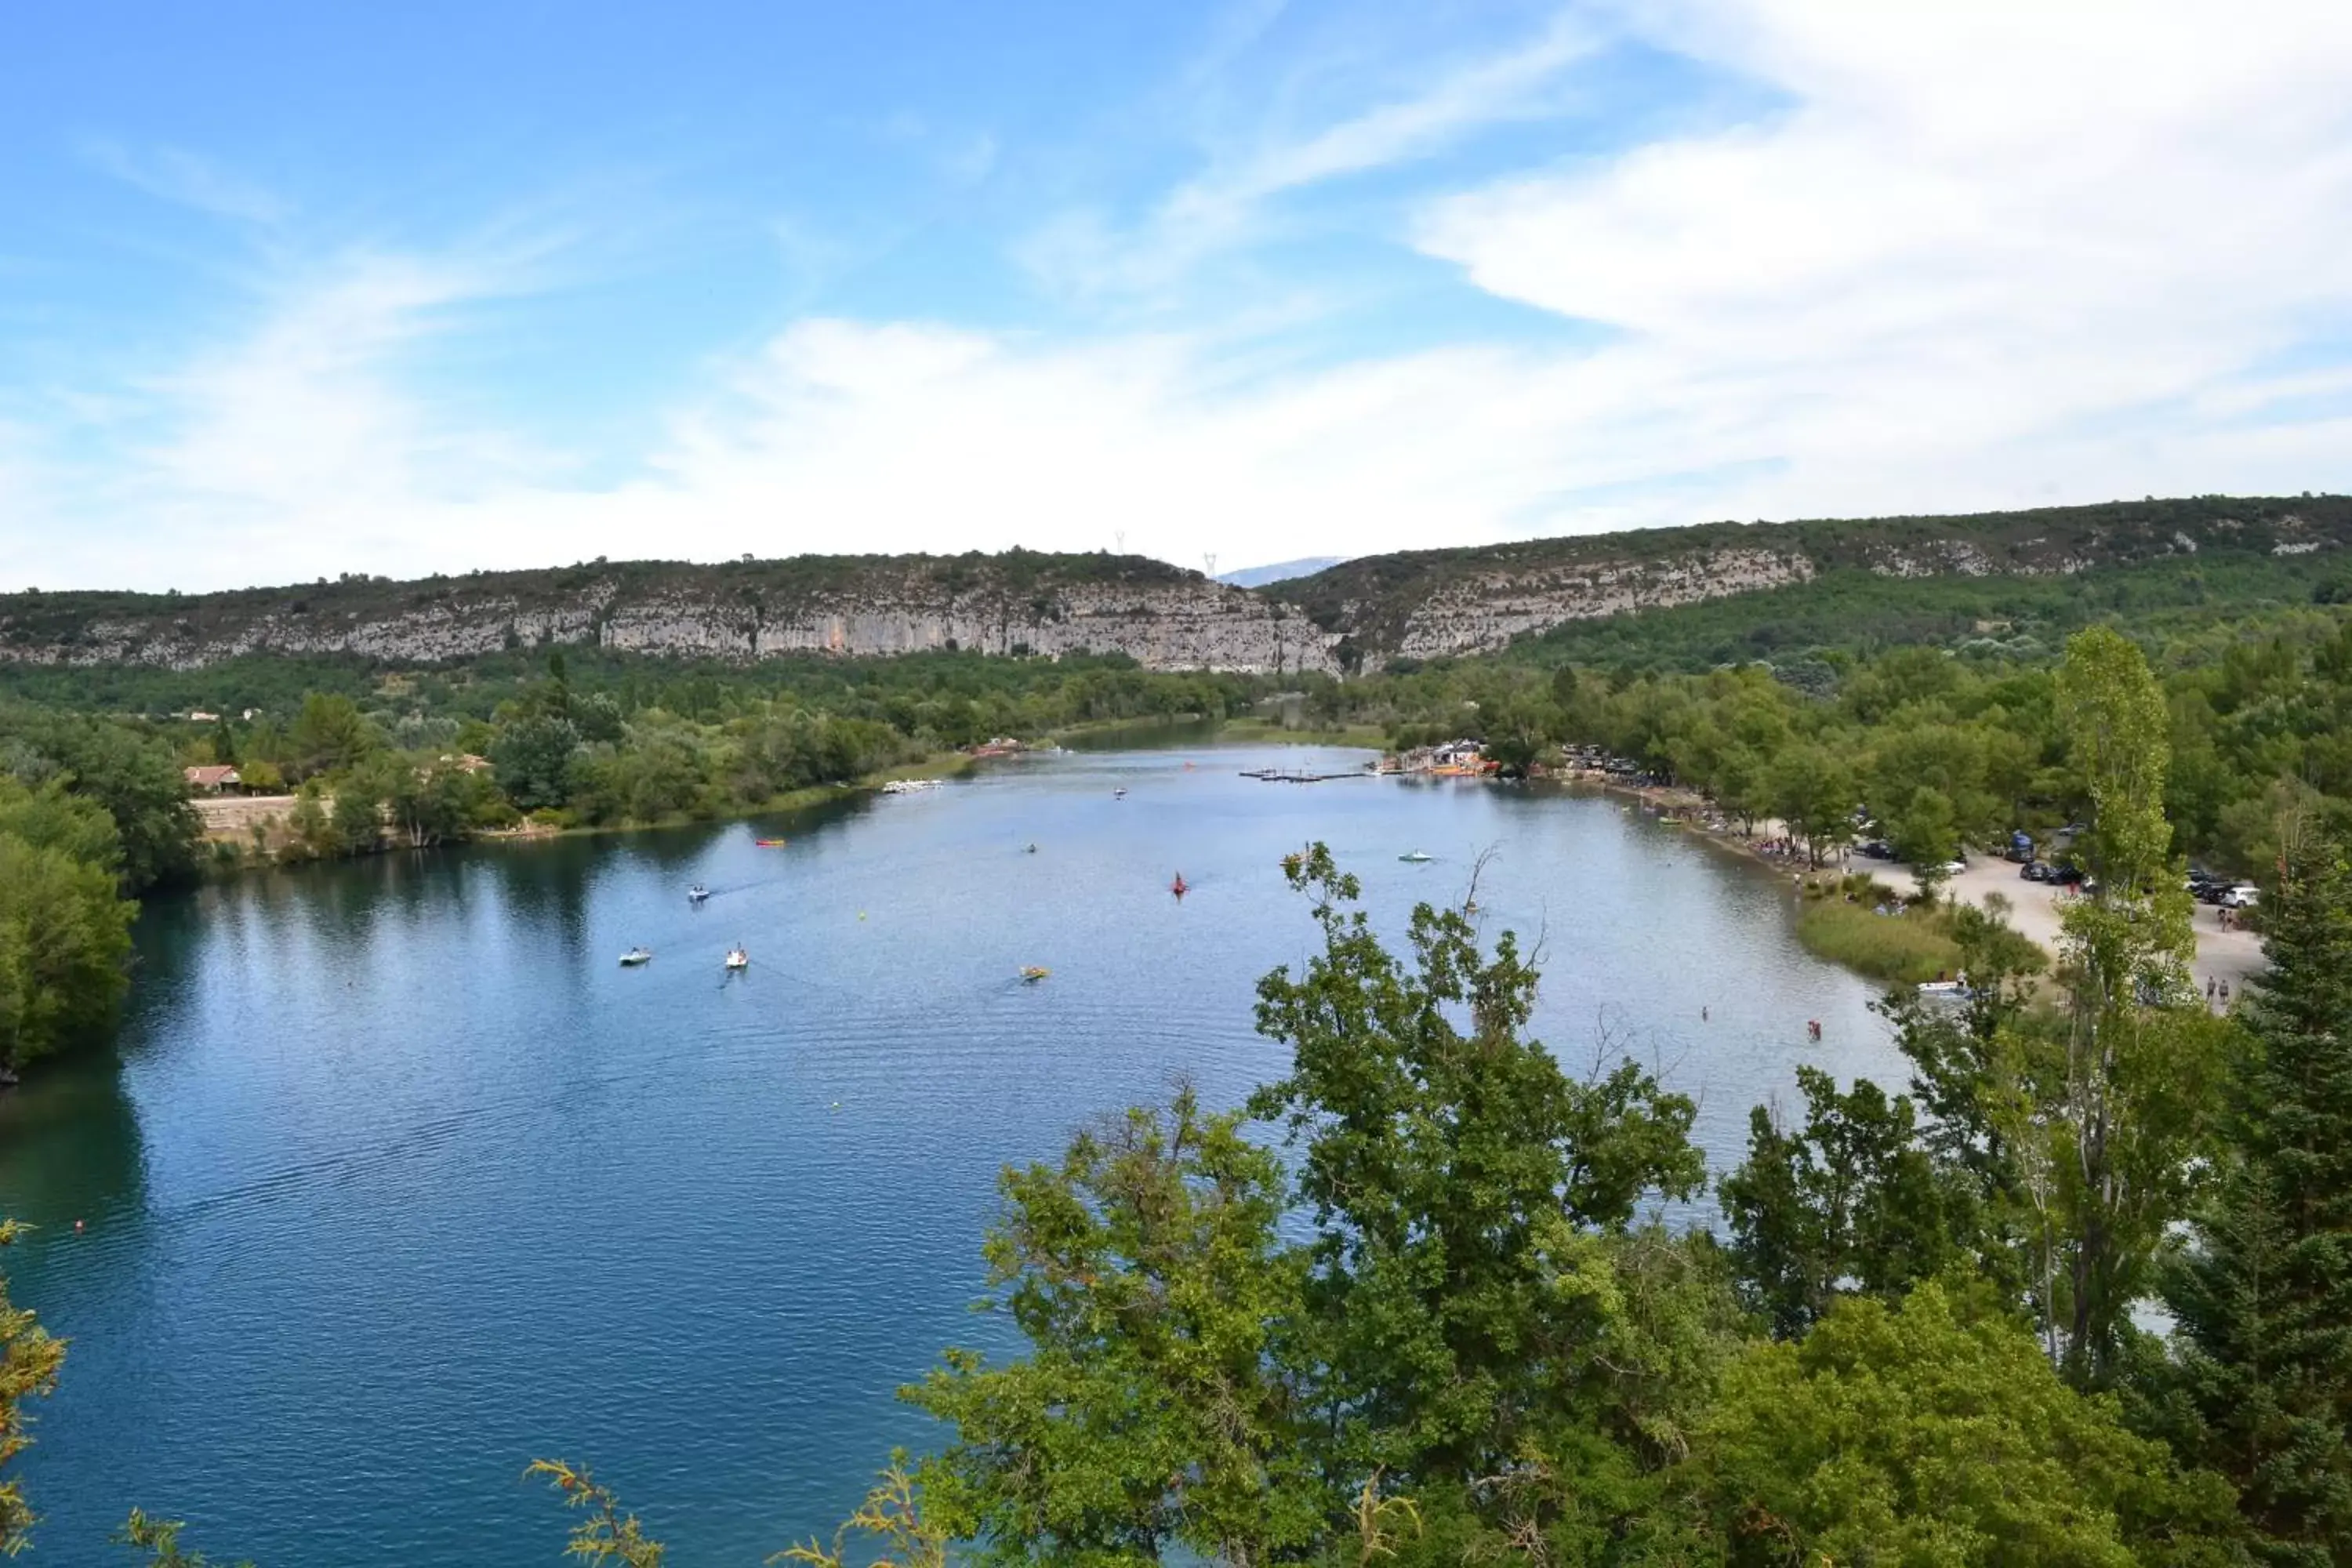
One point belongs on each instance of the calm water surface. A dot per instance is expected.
(400, 1179)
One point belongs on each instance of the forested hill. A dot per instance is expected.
(1431, 603)
(1791, 585)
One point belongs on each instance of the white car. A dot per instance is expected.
(2244, 896)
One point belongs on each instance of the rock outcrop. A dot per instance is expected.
(1357, 615)
(1019, 603)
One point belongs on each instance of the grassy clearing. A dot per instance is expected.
(1368, 735)
(1904, 949)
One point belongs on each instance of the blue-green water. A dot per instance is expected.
(400, 1179)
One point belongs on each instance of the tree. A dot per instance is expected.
(1448, 1169)
(1924, 837)
(357, 827)
(532, 760)
(1930, 1431)
(1811, 789)
(892, 1515)
(29, 1360)
(2263, 1297)
(605, 1537)
(1847, 1200)
(328, 735)
(64, 938)
(2131, 1111)
(160, 1540)
(1153, 1408)
(136, 781)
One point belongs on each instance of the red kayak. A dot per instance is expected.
(768, 843)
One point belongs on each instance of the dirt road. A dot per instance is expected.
(2222, 955)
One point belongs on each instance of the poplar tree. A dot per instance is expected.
(2263, 1299)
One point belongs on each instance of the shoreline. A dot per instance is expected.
(2232, 956)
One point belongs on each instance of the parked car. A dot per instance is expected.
(1953, 867)
(2038, 871)
(2066, 874)
(1876, 848)
(2242, 896)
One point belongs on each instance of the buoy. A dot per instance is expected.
(861, 914)
(76, 1228)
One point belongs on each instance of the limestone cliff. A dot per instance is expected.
(1019, 602)
(1420, 603)
(1425, 604)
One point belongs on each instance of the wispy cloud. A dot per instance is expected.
(189, 179)
(1086, 254)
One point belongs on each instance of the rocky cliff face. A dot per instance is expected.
(1423, 604)
(1164, 617)
(1428, 603)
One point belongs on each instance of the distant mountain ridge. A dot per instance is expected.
(1280, 571)
(1355, 615)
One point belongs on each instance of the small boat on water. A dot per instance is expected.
(697, 893)
(1416, 858)
(738, 959)
(1120, 794)
(1180, 887)
(768, 843)
(636, 956)
(910, 787)
(1034, 975)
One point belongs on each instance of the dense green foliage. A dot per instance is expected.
(89, 813)
(2263, 1300)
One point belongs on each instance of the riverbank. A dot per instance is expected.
(231, 822)
(2231, 956)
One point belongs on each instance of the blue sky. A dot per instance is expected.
(290, 290)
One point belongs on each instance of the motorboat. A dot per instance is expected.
(738, 959)
(636, 956)
(697, 893)
(1416, 858)
(1034, 973)
(1120, 794)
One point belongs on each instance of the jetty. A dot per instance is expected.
(1277, 775)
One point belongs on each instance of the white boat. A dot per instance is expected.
(738, 959)
(1416, 858)
(636, 956)
(697, 893)
(910, 787)
(1948, 990)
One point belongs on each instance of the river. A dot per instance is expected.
(396, 1179)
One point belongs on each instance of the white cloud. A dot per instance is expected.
(1984, 253)
(176, 176)
(1984, 256)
